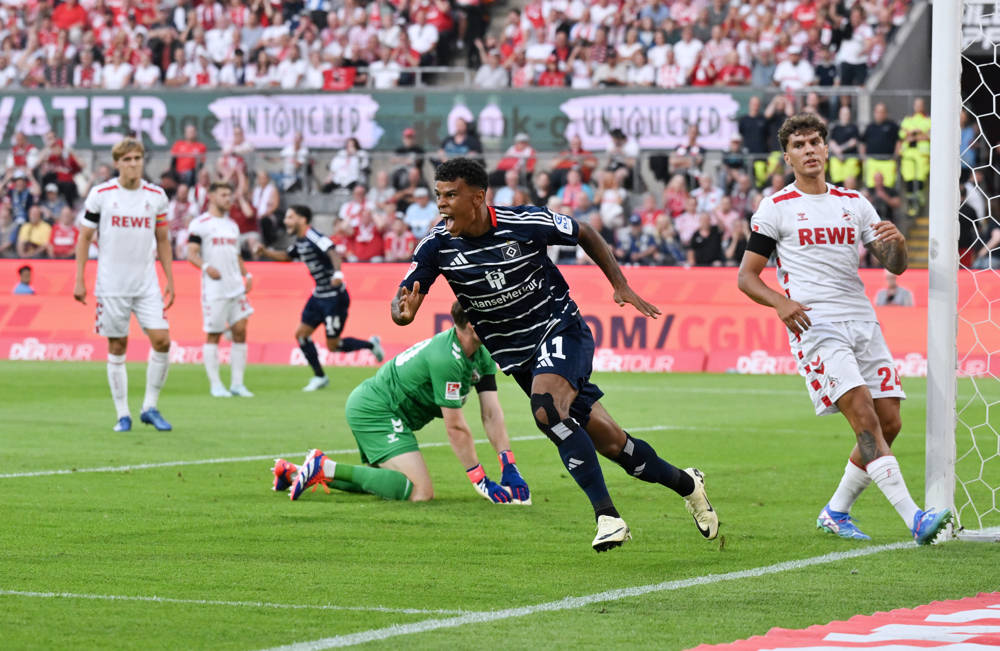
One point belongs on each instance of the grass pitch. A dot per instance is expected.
(176, 540)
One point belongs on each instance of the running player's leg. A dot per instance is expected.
(335, 319)
(312, 316)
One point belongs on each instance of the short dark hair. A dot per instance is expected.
(302, 211)
(458, 315)
(26, 267)
(219, 185)
(467, 169)
(800, 123)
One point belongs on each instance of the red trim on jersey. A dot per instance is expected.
(826, 402)
(152, 189)
(837, 192)
(801, 355)
(161, 219)
(788, 195)
(110, 187)
(815, 385)
(493, 214)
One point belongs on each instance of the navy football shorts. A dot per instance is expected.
(331, 312)
(568, 352)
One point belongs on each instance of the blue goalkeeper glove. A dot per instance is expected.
(512, 480)
(487, 488)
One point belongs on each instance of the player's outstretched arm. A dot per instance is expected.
(166, 254)
(271, 254)
(792, 313)
(496, 431)
(889, 247)
(599, 251)
(405, 304)
(460, 437)
(82, 253)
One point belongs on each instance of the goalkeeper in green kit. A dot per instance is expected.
(430, 379)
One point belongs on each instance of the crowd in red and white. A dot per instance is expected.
(668, 44)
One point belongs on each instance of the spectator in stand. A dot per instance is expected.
(777, 184)
(62, 241)
(492, 73)
(675, 195)
(385, 72)
(742, 195)
(382, 196)
(51, 202)
(688, 158)
(423, 38)
(188, 156)
(843, 144)
(23, 286)
(879, 146)
(266, 199)
(33, 236)
(461, 143)
(915, 154)
(611, 198)
(180, 211)
(725, 216)
(732, 72)
(640, 73)
(794, 73)
(8, 71)
(687, 222)
(8, 233)
(60, 166)
(58, 71)
(686, 50)
(669, 250)
(885, 199)
(178, 74)
(574, 157)
(291, 71)
(245, 215)
(399, 242)
(146, 74)
(116, 74)
(408, 154)
(735, 242)
(635, 246)
(623, 154)
(421, 214)
(520, 157)
(69, 14)
(612, 72)
(348, 167)
(23, 156)
(892, 293)
(762, 72)
(404, 195)
(825, 68)
(706, 194)
(705, 246)
(203, 73)
(734, 163)
(649, 212)
(606, 232)
(753, 128)
(504, 195)
(853, 52)
(262, 73)
(702, 73)
(573, 192)
(364, 237)
(552, 76)
(233, 72)
(540, 189)
(22, 195)
(294, 164)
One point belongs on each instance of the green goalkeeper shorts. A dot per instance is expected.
(381, 434)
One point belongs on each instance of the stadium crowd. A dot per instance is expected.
(337, 44)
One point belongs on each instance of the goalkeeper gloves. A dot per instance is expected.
(487, 488)
(512, 480)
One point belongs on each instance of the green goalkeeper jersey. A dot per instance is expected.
(431, 374)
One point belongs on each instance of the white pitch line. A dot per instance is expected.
(269, 457)
(212, 602)
(569, 603)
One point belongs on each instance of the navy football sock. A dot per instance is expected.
(639, 459)
(348, 344)
(580, 458)
(309, 350)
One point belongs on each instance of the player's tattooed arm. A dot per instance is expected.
(889, 246)
(599, 251)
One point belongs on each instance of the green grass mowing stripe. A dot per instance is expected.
(238, 604)
(568, 603)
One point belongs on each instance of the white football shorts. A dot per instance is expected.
(114, 313)
(836, 357)
(217, 313)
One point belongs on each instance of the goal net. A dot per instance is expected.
(963, 387)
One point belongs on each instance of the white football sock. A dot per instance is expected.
(210, 355)
(156, 376)
(238, 359)
(118, 381)
(852, 484)
(329, 467)
(885, 472)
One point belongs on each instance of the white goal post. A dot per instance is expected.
(954, 452)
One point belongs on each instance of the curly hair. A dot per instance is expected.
(467, 169)
(800, 123)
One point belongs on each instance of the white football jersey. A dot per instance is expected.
(127, 237)
(819, 236)
(220, 248)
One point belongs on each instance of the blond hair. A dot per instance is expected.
(125, 146)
